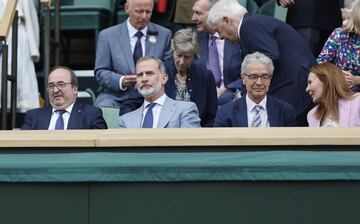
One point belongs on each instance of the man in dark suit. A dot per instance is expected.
(292, 58)
(313, 19)
(229, 55)
(64, 111)
(120, 46)
(256, 109)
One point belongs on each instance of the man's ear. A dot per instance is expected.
(227, 20)
(126, 7)
(165, 79)
(242, 76)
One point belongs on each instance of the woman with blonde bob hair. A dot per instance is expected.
(337, 105)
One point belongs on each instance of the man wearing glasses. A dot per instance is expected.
(256, 108)
(64, 111)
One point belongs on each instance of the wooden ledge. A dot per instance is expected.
(182, 137)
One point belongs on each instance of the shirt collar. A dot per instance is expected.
(251, 104)
(132, 30)
(68, 109)
(238, 31)
(160, 101)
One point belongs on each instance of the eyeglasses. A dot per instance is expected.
(255, 77)
(59, 85)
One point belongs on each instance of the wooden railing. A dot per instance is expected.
(301, 138)
(9, 19)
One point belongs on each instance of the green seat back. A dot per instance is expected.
(252, 6)
(280, 12)
(111, 116)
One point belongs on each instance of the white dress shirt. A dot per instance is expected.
(250, 105)
(156, 110)
(55, 115)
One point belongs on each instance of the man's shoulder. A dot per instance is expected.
(38, 110)
(112, 29)
(279, 103)
(160, 29)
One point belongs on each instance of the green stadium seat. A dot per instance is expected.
(250, 5)
(111, 116)
(80, 15)
(271, 8)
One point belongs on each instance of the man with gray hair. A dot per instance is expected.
(256, 109)
(221, 56)
(292, 58)
(118, 49)
(158, 110)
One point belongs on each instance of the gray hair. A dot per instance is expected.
(186, 41)
(230, 8)
(211, 2)
(129, 2)
(160, 64)
(255, 59)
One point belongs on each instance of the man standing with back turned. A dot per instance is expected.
(292, 58)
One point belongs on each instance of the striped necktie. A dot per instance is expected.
(256, 122)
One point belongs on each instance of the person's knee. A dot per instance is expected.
(104, 100)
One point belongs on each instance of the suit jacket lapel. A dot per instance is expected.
(150, 48)
(272, 113)
(167, 112)
(123, 37)
(204, 46)
(136, 120)
(75, 115)
(45, 118)
(241, 113)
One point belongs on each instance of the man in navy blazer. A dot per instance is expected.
(64, 112)
(292, 58)
(230, 55)
(256, 109)
(115, 66)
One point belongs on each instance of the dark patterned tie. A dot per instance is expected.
(149, 118)
(138, 49)
(59, 125)
(256, 122)
(214, 61)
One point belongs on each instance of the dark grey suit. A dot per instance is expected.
(174, 114)
(114, 59)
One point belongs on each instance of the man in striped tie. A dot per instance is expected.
(256, 108)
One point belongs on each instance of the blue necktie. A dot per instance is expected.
(256, 122)
(138, 49)
(214, 65)
(59, 125)
(149, 118)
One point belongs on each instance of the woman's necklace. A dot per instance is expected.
(181, 79)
